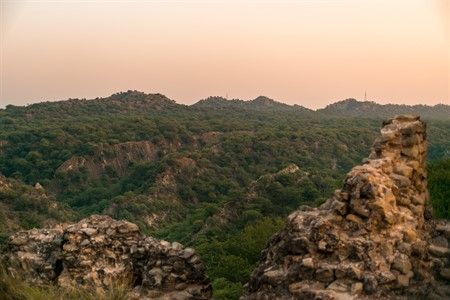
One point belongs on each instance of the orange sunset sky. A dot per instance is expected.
(310, 53)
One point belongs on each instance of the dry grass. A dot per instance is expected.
(14, 288)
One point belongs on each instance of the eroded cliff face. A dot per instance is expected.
(372, 240)
(99, 251)
(117, 157)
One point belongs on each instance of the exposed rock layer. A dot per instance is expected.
(117, 157)
(98, 251)
(373, 239)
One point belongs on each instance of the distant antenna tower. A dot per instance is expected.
(226, 96)
(365, 96)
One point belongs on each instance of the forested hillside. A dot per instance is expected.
(354, 108)
(219, 176)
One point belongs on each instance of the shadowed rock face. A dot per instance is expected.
(98, 251)
(372, 240)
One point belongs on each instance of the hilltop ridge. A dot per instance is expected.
(354, 108)
(259, 103)
(141, 102)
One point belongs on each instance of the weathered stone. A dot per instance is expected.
(402, 264)
(187, 253)
(177, 246)
(359, 208)
(421, 148)
(19, 241)
(181, 286)
(338, 286)
(179, 265)
(409, 235)
(414, 164)
(403, 170)
(440, 241)
(403, 200)
(299, 245)
(357, 288)
(444, 229)
(89, 231)
(340, 207)
(387, 134)
(274, 277)
(370, 283)
(411, 140)
(157, 275)
(405, 248)
(417, 200)
(386, 249)
(400, 181)
(350, 270)
(386, 277)
(371, 239)
(439, 251)
(403, 280)
(99, 250)
(411, 151)
(126, 227)
(325, 273)
(354, 219)
(308, 262)
(445, 273)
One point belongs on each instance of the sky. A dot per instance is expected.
(310, 53)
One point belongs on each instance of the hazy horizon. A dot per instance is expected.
(310, 53)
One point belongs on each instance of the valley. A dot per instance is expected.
(220, 176)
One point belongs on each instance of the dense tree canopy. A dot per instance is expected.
(219, 179)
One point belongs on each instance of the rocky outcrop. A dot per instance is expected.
(372, 240)
(116, 157)
(24, 205)
(98, 251)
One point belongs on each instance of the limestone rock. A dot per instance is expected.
(99, 250)
(372, 239)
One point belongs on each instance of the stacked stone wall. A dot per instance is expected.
(371, 239)
(99, 252)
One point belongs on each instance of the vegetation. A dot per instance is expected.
(216, 176)
(439, 186)
(15, 288)
(354, 108)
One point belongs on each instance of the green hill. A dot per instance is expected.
(354, 108)
(220, 175)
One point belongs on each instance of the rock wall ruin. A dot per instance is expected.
(98, 251)
(374, 239)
